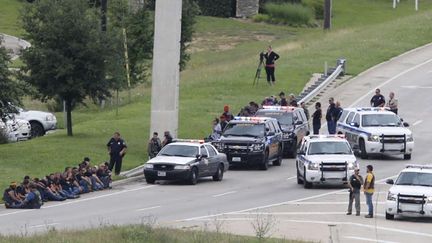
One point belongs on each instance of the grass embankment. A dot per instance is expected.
(137, 233)
(221, 72)
(9, 23)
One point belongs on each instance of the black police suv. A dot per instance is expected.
(252, 141)
(293, 122)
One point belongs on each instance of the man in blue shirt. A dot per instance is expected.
(378, 99)
(117, 150)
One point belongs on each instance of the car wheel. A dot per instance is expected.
(407, 156)
(193, 177)
(278, 161)
(37, 129)
(265, 163)
(362, 146)
(219, 173)
(306, 184)
(389, 216)
(299, 180)
(150, 180)
(293, 152)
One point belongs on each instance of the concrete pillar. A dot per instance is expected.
(166, 69)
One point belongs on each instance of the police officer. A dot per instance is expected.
(378, 99)
(116, 149)
(355, 182)
(330, 116)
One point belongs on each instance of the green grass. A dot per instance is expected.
(9, 12)
(221, 72)
(137, 233)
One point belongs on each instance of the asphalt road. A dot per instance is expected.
(245, 191)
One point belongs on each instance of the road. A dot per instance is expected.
(244, 194)
(14, 44)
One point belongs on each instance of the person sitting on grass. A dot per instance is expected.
(10, 196)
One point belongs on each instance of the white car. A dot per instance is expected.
(16, 129)
(40, 121)
(186, 160)
(376, 131)
(411, 193)
(325, 159)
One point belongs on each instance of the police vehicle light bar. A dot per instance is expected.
(418, 166)
(327, 136)
(189, 140)
(278, 108)
(373, 109)
(253, 118)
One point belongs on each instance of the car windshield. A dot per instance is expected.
(329, 148)
(179, 150)
(284, 118)
(380, 120)
(244, 129)
(414, 179)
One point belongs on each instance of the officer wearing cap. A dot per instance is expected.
(117, 149)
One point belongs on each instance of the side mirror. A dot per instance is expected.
(405, 124)
(298, 123)
(198, 157)
(354, 124)
(300, 152)
(270, 133)
(390, 181)
(204, 156)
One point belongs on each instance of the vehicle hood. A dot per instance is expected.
(287, 128)
(171, 160)
(332, 158)
(31, 114)
(388, 130)
(412, 190)
(240, 139)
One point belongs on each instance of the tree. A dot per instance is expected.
(70, 55)
(11, 90)
(189, 12)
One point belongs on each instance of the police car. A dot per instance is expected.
(325, 159)
(252, 140)
(186, 160)
(293, 122)
(411, 193)
(376, 131)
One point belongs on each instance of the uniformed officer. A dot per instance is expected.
(355, 182)
(117, 150)
(378, 99)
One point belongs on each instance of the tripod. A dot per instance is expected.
(258, 71)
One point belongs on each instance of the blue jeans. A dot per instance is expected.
(331, 127)
(369, 202)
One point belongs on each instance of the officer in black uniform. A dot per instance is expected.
(117, 150)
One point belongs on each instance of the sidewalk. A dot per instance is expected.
(14, 44)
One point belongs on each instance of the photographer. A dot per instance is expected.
(270, 58)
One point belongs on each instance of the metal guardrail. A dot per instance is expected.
(340, 69)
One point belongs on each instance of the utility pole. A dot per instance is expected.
(327, 14)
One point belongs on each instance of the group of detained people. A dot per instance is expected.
(59, 186)
(220, 123)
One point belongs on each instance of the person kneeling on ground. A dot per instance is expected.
(104, 175)
(33, 199)
(10, 196)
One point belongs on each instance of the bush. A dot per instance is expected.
(317, 6)
(219, 8)
(262, 3)
(292, 14)
(261, 18)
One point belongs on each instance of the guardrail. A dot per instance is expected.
(340, 69)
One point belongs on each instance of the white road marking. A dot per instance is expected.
(149, 208)
(416, 87)
(97, 197)
(223, 194)
(389, 80)
(295, 213)
(290, 178)
(417, 122)
(17, 212)
(368, 239)
(43, 225)
(273, 205)
(326, 203)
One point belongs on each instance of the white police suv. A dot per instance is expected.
(376, 131)
(325, 159)
(186, 160)
(411, 193)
